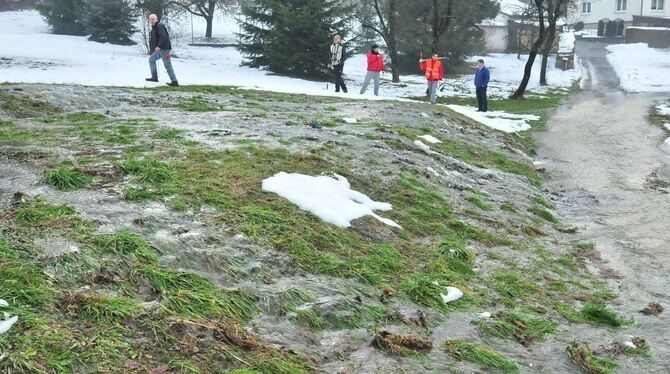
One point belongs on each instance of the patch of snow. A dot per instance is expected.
(350, 120)
(329, 198)
(33, 55)
(667, 126)
(430, 139)
(630, 344)
(503, 121)
(663, 109)
(666, 146)
(453, 294)
(7, 322)
(640, 68)
(421, 145)
(566, 42)
(485, 315)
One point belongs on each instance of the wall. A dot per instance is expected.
(655, 37)
(496, 38)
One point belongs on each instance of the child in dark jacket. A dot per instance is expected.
(482, 78)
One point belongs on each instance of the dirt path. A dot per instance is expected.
(601, 149)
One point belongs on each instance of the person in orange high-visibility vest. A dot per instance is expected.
(434, 74)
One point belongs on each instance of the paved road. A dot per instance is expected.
(602, 151)
(601, 76)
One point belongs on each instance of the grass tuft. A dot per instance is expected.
(129, 244)
(67, 178)
(583, 357)
(147, 170)
(599, 315)
(523, 328)
(99, 308)
(464, 350)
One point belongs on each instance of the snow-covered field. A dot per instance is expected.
(30, 54)
(640, 68)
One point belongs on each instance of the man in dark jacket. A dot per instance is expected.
(482, 77)
(337, 57)
(159, 44)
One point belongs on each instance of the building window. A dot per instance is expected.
(657, 4)
(620, 5)
(586, 7)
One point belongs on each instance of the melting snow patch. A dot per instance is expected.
(639, 67)
(421, 145)
(8, 322)
(503, 121)
(663, 109)
(329, 198)
(453, 294)
(430, 139)
(485, 315)
(350, 120)
(667, 126)
(666, 145)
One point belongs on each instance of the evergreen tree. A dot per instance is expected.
(64, 16)
(448, 24)
(291, 37)
(109, 21)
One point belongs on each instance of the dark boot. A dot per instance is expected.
(152, 79)
(173, 84)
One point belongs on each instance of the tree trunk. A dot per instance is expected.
(539, 42)
(526, 76)
(543, 69)
(395, 74)
(209, 17)
(435, 27)
(208, 31)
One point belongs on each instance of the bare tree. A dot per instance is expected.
(537, 45)
(386, 12)
(555, 10)
(201, 8)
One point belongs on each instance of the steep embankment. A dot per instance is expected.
(136, 235)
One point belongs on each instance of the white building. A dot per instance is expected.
(611, 17)
(497, 30)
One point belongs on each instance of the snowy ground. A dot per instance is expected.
(640, 68)
(30, 54)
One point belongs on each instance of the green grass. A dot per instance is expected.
(543, 213)
(67, 178)
(464, 350)
(544, 202)
(600, 315)
(197, 104)
(21, 282)
(309, 319)
(583, 357)
(168, 134)
(477, 201)
(520, 326)
(99, 308)
(35, 211)
(21, 106)
(192, 295)
(127, 244)
(511, 285)
(584, 245)
(485, 157)
(147, 170)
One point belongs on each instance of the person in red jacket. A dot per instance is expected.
(434, 74)
(375, 67)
